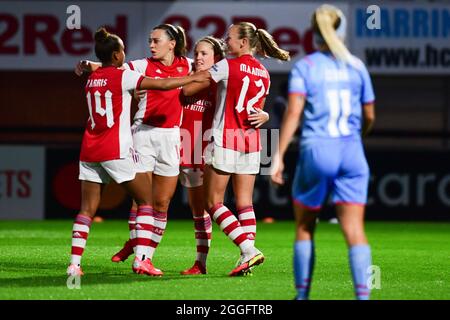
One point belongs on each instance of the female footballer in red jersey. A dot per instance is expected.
(197, 120)
(234, 151)
(156, 132)
(107, 148)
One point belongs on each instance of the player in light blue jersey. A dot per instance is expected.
(332, 91)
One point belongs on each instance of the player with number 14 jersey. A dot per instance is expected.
(108, 135)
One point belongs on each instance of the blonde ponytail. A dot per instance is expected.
(261, 41)
(326, 17)
(268, 46)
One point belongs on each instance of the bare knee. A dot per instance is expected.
(354, 235)
(243, 200)
(306, 223)
(211, 200)
(209, 203)
(305, 229)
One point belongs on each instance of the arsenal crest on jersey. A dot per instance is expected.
(180, 69)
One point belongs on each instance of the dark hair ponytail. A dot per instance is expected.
(101, 35)
(105, 44)
(180, 48)
(177, 34)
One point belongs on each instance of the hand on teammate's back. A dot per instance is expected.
(81, 67)
(139, 94)
(259, 118)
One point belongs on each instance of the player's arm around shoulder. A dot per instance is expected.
(217, 72)
(195, 87)
(86, 66)
(172, 83)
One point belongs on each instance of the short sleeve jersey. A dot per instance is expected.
(243, 83)
(108, 134)
(161, 108)
(196, 126)
(334, 92)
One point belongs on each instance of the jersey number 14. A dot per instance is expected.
(108, 110)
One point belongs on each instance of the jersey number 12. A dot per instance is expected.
(251, 102)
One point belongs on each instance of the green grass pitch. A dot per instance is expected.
(414, 260)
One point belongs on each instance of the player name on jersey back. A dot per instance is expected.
(336, 75)
(254, 71)
(96, 83)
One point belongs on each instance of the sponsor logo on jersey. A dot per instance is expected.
(194, 101)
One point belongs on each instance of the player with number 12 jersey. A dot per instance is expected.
(234, 152)
(243, 85)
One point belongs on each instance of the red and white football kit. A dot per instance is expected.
(195, 134)
(107, 147)
(243, 83)
(156, 133)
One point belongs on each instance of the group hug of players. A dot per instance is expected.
(198, 123)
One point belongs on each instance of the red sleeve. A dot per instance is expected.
(138, 84)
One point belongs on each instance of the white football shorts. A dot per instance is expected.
(232, 161)
(120, 170)
(157, 150)
(191, 177)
